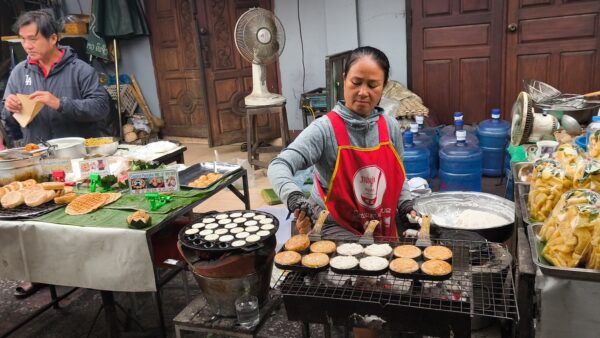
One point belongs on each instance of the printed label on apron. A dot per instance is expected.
(369, 186)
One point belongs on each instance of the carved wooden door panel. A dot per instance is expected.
(180, 83)
(228, 75)
(456, 56)
(555, 41)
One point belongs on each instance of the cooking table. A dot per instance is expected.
(551, 306)
(108, 259)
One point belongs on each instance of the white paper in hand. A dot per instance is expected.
(29, 110)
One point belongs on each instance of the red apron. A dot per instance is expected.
(366, 182)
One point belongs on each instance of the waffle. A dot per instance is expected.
(111, 197)
(86, 203)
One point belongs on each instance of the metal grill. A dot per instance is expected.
(481, 284)
(24, 211)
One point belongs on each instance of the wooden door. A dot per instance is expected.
(179, 78)
(456, 56)
(555, 41)
(228, 75)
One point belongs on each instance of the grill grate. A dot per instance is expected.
(483, 290)
(24, 211)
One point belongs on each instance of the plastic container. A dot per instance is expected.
(493, 136)
(424, 140)
(449, 129)
(592, 127)
(460, 165)
(434, 133)
(415, 158)
(451, 138)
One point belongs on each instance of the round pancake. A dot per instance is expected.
(267, 227)
(221, 231)
(236, 230)
(407, 251)
(242, 235)
(208, 220)
(350, 249)
(315, 260)
(373, 263)
(211, 237)
(238, 243)
(288, 258)
(235, 215)
(343, 262)
(436, 267)
(206, 232)
(252, 228)
(33, 198)
(191, 231)
(221, 216)
(259, 217)
(325, 247)
(266, 221)
(198, 226)
(378, 250)
(404, 265)
(263, 233)
(252, 238)
(297, 243)
(12, 199)
(226, 238)
(437, 252)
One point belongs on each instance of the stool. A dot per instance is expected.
(252, 141)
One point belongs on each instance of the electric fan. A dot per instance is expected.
(527, 125)
(259, 37)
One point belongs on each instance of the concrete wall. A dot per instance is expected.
(333, 26)
(136, 58)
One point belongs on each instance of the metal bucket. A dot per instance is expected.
(445, 207)
(221, 293)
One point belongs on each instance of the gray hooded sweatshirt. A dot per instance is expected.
(317, 146)
(84, 103)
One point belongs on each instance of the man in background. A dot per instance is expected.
(75, 104)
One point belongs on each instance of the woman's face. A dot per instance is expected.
(363, 86)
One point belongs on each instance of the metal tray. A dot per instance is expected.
(420, 275)
(517, 168)
(523, 196)
(188, 175)
(24, 211)
(298, 267)
(537, 246)
(361, 272)
(197, 242)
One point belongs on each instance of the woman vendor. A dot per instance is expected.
(356, 151)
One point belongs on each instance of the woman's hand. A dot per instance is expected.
(302, 209)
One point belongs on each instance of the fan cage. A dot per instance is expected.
(246, 30)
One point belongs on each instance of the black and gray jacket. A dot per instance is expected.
(84, 103)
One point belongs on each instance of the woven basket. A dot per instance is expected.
(128, 102)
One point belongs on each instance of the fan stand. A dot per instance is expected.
(260, 95)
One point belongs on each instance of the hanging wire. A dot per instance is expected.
(301, 46)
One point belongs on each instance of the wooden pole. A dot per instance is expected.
(118, 87)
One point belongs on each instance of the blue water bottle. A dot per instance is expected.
(422, 139)
(415, 158)
(493, 135)
(460, 165)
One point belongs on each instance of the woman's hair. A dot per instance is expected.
(372, 52)
(44, 21)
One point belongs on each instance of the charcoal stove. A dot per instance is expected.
(481, 285)
(225, 272)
